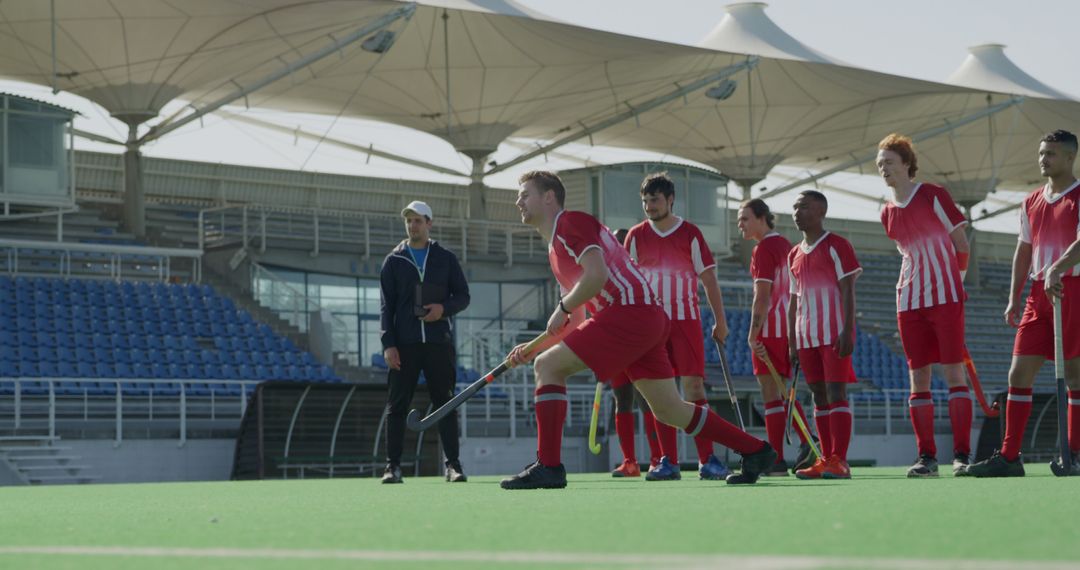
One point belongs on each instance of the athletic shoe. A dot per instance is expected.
(713, 470)
(997, 466)
(812, 472)
(627, 468)
(392, 474)
(753, 465)
(1073, 470)
(925, 466)
(960, 464)
(805, 458)
(653, 462)
(778, 469)
(454, 473)
(537, 476)
(664, 471)
(836, 468)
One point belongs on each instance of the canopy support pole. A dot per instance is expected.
(368, 150)
(949, 126)
(337, 45)
(626, 115)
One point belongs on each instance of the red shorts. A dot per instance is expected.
(624, 338)
(686, 348)
(934, 335)
(778, 354)
(821, 364)
(1035, 337)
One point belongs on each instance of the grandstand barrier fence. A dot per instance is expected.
(115, 256)
(257, 224)
(37, 405)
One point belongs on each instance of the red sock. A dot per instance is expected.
(703, 444)
(821, 418)
(1074, 420)
(840, 428)
(624, 426)
(921, 410)
(960, 412)
(650, 436)
(706, 423)
(1017, 412)
(551, 404)
(802, 414)
(774, 425)
(669, 443)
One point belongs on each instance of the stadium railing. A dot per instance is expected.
(257, 224)
(297, 307)
(114, 256)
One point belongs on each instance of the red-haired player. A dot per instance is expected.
(822, 316)
(1048, 251)
(627, 331)
(928, 230)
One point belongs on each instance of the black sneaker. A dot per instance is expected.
(997, 466)
(960, 464)
(778, 469)
(454, 473)
(537, 476)
(392, 474)
(1073, 470)
(925, 466)
(805, 457)
(753, 466)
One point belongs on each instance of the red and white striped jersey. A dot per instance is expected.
(577, 232)
(929, 273)
(1050, 224)
(769, 262)
(672, 261)
(816, 271)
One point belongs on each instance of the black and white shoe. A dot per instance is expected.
(754, 465)
(960, 464)
(1072, 471)
(805, 457)
(537, 476)
(392, 474)
(454, 473)
(997, 466)
(925, 466)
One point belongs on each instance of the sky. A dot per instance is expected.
(924, 39)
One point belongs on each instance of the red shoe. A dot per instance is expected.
(836, 468)
(812, 472)
(628, 468)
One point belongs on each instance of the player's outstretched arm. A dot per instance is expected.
(716, 303)
(845, 345)
(758, 311)
(1021, 266)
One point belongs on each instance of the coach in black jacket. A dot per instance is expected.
(417, 333)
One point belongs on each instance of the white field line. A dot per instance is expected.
(564, 558)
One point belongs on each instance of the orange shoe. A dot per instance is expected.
(628, 468)
(836, 468)
(812, 472)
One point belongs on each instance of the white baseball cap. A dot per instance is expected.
(418, 207)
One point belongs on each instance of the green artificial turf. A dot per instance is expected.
(878, 514)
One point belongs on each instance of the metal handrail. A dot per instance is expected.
(115, 252)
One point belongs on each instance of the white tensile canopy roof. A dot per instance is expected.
(511, 72)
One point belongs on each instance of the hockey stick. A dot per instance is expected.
(1063, 466)
(416, 423)
(594, 446)
(992, 410)
(791, 399)
(798, 419)
(727, 382)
